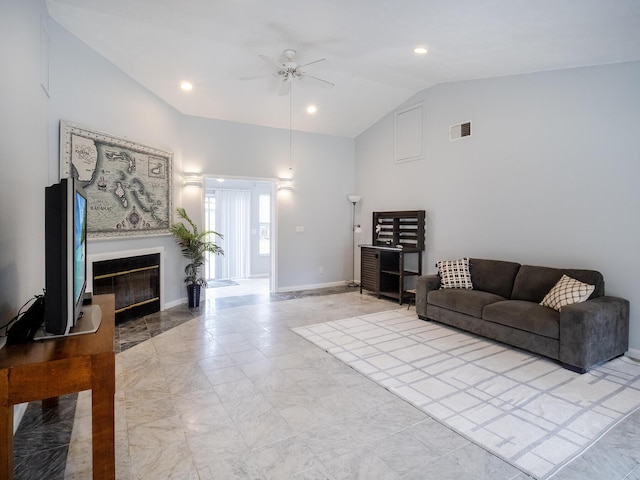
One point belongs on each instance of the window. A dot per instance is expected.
(264, 221)
(210, 224)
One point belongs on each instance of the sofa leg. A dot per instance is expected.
(573, 368)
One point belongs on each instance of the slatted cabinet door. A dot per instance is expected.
(369, 268)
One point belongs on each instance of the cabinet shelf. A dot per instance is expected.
(398, 272)
(394, 294)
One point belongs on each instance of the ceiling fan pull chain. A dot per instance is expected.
(290, 113)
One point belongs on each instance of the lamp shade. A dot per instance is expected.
(354, 198)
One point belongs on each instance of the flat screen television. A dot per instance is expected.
(65, 255)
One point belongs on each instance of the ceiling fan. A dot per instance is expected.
(288, 71)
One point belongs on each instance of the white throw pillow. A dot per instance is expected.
(566, 292)
(455, 274)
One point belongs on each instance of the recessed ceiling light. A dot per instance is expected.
(420, 50)
(186, 86)
(312, 109)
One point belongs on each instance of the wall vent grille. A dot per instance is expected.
(459, 131)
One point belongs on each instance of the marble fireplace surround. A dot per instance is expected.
(125, 254)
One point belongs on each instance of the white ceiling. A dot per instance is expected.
(367, 45)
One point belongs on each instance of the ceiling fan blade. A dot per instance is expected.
(285, 87)
(256, 77)
(326, 82)
(311, 63)
(288, 72)
(271, 61)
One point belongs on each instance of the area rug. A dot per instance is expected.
(523, 408)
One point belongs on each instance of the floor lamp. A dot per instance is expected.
(353, 199)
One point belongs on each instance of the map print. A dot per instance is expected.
(128, 185)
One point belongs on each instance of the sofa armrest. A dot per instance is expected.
(593, 332)
(424, 284)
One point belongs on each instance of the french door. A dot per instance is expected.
(227, 211)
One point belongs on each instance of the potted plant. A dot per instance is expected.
(194, 245)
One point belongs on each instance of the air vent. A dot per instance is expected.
(459, 131)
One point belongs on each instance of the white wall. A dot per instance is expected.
(88, 90)
(548, 177)
(23, 157)
(323, 173)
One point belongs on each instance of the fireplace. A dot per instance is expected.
(135, 281)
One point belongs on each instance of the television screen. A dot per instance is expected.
(79, 246)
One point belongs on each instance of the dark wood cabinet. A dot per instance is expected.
(394, 257)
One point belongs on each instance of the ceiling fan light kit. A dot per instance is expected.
(290, 70)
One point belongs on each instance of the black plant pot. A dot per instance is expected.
(193, 292)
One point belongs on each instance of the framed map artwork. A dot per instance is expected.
(128, 185)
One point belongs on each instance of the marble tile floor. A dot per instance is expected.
(41, 442)
(132, 332)
(243, 286)
(232, 393)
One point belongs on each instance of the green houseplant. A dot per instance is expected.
(194, 245)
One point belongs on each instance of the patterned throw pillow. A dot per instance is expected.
(567, 291)
(455, 274)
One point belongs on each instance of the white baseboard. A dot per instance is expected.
(297, 288)
(174, 303)
(633, 353)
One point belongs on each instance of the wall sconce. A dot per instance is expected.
(192, 179)
(285, 184)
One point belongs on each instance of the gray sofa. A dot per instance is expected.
(504, 305)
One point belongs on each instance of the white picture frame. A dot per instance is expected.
(128, 184)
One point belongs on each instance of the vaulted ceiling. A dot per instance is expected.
(368, 46)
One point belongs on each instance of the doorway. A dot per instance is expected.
(243, 211)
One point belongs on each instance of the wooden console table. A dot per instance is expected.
(46, 369)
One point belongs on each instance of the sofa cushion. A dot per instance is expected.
(470, 302)
(533, 283)
(567, 292)
(523, 315)
(494, 276)
(455, 274)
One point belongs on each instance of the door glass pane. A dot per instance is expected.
(210, 224)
